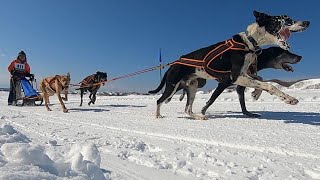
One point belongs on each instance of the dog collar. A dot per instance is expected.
(257, 50)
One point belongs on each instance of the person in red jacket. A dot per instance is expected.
(18, 68)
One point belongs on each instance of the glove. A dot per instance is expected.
(31, 76)
(15, 74)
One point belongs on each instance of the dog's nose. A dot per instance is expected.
(306, 23)
(299, 58)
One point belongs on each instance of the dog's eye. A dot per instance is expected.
(289, 22)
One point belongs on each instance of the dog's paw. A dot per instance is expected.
(292, 101)
(158, 116)
(168, 100)
(204, 110)
(252, 115)
(256, 94)
(203, 118)
(198, 116)
(48, 109)
(181, 97)
(65, 110)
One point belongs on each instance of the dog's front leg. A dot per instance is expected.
(90, 97)
(221, 87)
(81, 95)
(240, 92)
(248, 60)
(65, 110)
(45, 95)
(247, 81)
(65, 98)
(257, 92)
(93, 97)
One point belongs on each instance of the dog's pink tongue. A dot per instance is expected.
(285, 33)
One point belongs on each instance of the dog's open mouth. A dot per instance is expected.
(284, 34)
(287, 67)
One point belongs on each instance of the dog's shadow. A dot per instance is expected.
(121, 106)
(311, 118)
(87, 109)
(108, 172)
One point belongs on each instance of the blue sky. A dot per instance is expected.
(123, 36)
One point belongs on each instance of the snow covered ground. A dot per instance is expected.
(120, 138)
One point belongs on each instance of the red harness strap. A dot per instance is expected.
(88, 80)
(204, 63)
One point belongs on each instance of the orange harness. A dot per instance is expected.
(88, 80)
(204, 63)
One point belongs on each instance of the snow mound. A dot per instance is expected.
(20, 159)
(9, 135)
(306, 84)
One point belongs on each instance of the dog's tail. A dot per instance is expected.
(163, 81)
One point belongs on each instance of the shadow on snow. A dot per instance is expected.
(311, 118)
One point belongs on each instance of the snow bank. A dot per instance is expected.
(306, 84)
(20, 159)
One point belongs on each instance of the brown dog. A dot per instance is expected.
(55, 84)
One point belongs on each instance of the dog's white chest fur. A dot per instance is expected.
(202, 74)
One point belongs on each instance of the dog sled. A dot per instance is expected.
(25, 93)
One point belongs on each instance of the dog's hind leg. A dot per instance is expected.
(250, 82)
(221, 87)
(178, 89)
(182, 95)
(169, 91)
(240, 91)
(191, 94)
(201, 83)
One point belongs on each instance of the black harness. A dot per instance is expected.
(56, 78)
(203, 58)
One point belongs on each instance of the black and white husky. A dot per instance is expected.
(232, 63)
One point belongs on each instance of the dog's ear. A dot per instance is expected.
(260, 17)
(97, 76)
(259, 14)
(68, 76)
